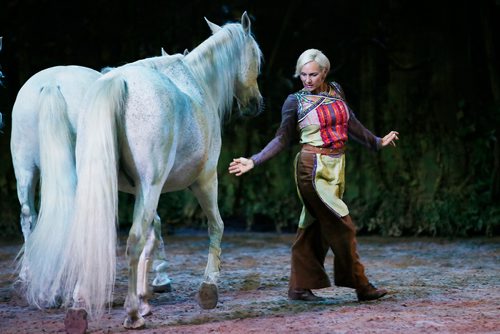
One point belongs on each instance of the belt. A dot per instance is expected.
(308, 148)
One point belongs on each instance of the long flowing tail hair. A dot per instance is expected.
(90, 263)
(58, 183)
(85, 270)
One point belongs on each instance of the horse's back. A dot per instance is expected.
(183, 78)
(149, 94)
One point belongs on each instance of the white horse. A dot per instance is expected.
(44, 123)
(44, 126)
(149, 127)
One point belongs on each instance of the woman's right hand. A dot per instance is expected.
(240, 166)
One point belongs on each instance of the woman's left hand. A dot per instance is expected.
(390, 138)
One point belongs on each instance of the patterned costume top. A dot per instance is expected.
(322, 120)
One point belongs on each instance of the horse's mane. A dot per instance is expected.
(213, 65)
(158, 63)
(215, 57)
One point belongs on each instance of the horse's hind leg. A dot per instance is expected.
(142, 229)
(26, 185)
(27, 180)
(142, 274)
(161, 282)
(205, 191)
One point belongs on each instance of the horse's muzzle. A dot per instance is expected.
(253, 108)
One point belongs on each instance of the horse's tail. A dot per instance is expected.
(87, 266)
(90, 262)
(58, 182)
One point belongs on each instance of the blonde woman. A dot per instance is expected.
(324, 122)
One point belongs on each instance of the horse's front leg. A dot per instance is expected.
(205, 190)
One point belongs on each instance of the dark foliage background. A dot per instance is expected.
(429, 69)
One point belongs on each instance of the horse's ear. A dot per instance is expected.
(213, 26)
(245, 22)
(106, 69)
(186, 51)
(163, 52)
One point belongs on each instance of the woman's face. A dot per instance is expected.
(312, 77)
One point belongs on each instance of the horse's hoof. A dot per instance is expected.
(134, 322)
(145, 309)
(162, 283)
(162, 288)
(57, 303)
(208, 296)
(76, 321)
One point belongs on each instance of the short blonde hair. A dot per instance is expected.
(309, 56)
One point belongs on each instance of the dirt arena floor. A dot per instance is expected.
(436, 286)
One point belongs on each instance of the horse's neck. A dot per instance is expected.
(214, 67)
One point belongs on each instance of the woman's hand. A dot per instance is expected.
(240, 166)
(390, 138)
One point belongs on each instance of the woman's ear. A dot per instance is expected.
(324, 74)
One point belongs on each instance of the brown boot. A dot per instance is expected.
(369, 292)
(304, 295)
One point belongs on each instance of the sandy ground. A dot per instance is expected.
(436, 286)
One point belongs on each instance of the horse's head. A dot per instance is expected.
(246, 90)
